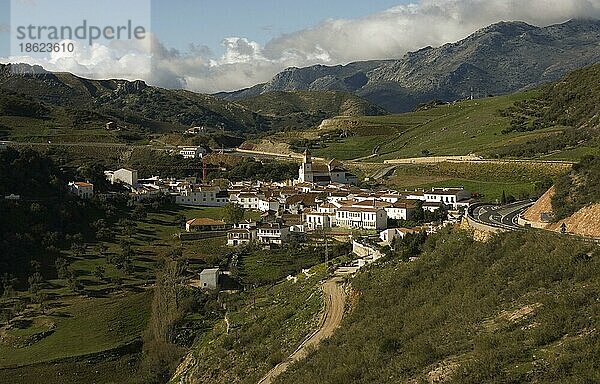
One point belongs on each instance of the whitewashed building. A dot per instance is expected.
(448, 196)
(388, 235)
(242, 234)
(269, 204)
(209, 278)
(81, 189)
(125, 176)
(401, 209)
(247, 200)
(272, 233)
(361, 218)
(204, 196)
(192, 152)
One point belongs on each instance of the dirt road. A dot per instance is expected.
(335, 300)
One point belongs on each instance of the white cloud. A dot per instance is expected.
(388, 34)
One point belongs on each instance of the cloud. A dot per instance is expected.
(383, 35)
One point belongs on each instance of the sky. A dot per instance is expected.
(216, 45)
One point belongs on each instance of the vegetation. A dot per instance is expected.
(570, 104)
(519, 308)
(306, 109)
(577, 189)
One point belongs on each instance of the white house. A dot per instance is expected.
(272, 233)
(390, 197)
(448, 196)
(125, 176)
(318, 220)
(242, 234)
(432, 206)
(388, 235)
(247, 200)
(81, 189)
(192, 152)
(361, 218)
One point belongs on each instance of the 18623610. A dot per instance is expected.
(47, 47)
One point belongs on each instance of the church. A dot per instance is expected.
(324, 174)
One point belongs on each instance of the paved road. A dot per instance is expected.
(335, 299)
(505, 216)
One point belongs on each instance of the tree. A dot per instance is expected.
(61, 264)
(234, 213)
(503, 199)
(35, 282)
(99, 272)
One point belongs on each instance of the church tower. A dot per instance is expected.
(306, 173)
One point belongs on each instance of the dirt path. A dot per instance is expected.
(335, 299)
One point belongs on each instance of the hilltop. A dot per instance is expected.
(502, 58)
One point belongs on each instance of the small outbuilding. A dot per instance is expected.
(209, 278)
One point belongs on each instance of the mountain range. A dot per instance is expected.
(502, 58)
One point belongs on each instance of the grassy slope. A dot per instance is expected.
(520, 308)
(85, 326)
(453, 129)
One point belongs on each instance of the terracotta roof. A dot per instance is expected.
(83, 184)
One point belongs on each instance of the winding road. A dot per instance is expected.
(335, 301)
(505, 216)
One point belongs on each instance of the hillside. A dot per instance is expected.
(499, 59)
(578, 189)
(555, 122)
(324, 103)
(306, 109)
(68, 102)
(572, 103)
(520, 308)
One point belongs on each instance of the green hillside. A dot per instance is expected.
(558, 121)
(521, 308)
(40, 106)
(577, 189)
